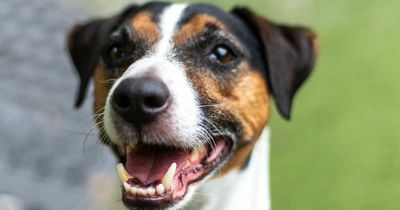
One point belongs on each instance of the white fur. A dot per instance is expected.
(169, 20)
(184, 114)
(239, 190)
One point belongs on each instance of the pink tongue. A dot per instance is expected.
(150, 163)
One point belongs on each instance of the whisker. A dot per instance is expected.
(84, 143)
(214, 125)
(92, 116)
(208, 137)
(76, 132)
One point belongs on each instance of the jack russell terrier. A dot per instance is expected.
(181, 95)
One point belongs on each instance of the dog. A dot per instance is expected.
(182, 95)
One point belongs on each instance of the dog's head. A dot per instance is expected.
(182, 91)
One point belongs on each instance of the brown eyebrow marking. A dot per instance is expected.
(195, 26)
(145, 27)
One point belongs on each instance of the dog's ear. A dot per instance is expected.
(289, 56)
(85, 42)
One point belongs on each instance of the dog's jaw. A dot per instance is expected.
(240, 189)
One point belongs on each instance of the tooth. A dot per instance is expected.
(160, 189)
(133, 190)
(127, 187)
(195, 155)
(151, 191)
(122, 173)
(187, 164)
(142, 192)
(168, 177)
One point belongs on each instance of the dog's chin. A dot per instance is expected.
(158, 177)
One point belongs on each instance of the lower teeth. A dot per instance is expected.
(150, 191)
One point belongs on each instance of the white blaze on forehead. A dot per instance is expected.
(168, 21)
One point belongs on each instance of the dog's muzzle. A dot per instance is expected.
(156, 168)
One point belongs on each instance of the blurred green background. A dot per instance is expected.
(341, 150)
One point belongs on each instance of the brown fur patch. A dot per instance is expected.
(246, 98)
(195, 26)
(101, 89)
(145, 27)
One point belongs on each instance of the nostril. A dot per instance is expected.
(122, 102)
(155, 96)
(154, 101)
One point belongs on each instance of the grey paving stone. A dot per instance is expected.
(45, 161)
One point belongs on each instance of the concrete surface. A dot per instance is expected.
(46, 156)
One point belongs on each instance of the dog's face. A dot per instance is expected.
(182, 91)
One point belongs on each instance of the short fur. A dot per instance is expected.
(174, 42)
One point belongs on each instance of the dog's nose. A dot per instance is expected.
(140, 100)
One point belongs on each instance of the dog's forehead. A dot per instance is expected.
(183, 21)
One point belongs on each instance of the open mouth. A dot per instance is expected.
(158, 176)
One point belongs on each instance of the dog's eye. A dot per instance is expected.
(223, 54)
(115, 53)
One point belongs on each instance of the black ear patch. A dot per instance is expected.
(289, 56)
(85, 42)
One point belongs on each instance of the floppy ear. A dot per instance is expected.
(289, 55)
(85, 42)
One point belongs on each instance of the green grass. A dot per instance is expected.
(341, 150)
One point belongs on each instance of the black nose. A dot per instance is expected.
(140, 100)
